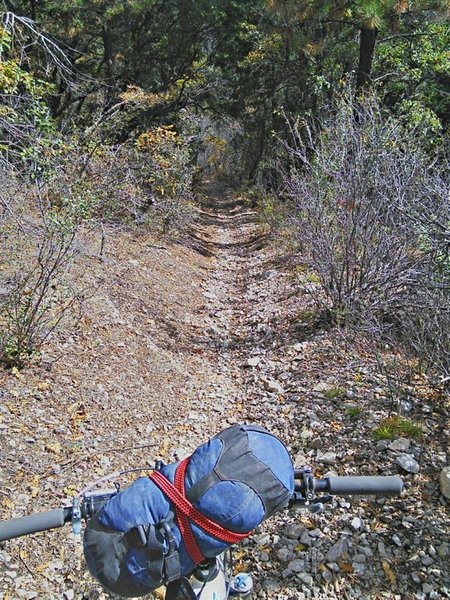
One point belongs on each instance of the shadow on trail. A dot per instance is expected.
(209, 248)
(221, 209)
(276, 332)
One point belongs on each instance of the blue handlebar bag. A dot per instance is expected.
(237, 479)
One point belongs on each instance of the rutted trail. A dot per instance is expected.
(180, 341)
(228, 233)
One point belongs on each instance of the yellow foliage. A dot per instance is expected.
(313, 49)
(151, 140)
(402, 6)
(134, 93)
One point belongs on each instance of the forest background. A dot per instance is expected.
(331, 116)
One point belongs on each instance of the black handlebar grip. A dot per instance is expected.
(50, 519)
(365, 485)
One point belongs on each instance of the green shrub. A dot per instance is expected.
(397, 426)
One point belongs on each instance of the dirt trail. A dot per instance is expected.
(148, 372)
(179, 341)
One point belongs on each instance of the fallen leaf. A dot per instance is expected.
(389, 572)
(8, 503)
(346, 567)
(55, 447)
(43, 567)
(42, 386)
(70, 491)
(17, 374)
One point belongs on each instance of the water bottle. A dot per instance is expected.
(241, 585)
(208, 582)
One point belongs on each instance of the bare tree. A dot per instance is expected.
(372, 216)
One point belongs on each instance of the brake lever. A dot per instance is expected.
(317, 505)
(313, 504)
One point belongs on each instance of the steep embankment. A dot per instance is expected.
(177, 343)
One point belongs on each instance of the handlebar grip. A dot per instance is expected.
(43, 521)
(365, 485)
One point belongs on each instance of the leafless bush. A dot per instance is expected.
(372, 217)
(38, 248)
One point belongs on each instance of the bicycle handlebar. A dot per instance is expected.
(306, 487)
(360, 485)
(43, 521)
(57, 517)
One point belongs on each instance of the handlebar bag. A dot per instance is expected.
(160, 527)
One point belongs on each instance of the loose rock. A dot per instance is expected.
(408, 463)
(336, 551)
(445, 482)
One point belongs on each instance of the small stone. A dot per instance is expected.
(306, 578)
(397, 541)
(445, 482)
(381, 445)
(27, 594)
(406, 406)
(426, 561)
(296, 565)
(316, 443)
(270, 585)
(314, 533)
(408, 463)
(443, 550)
(322, 386)
(180, 453)
(356, 524)
(427, 588)
(299, 347)
(253, 361)
(359, 558)
(336, 551)
(293, 532)
(328, 576)
(284, 554)
(306, 540)
(11, 574)
(358, 568)
(400, 445)
(209, 295)
(326, 458)
(263, 539)
(382, 550)
(274, 386)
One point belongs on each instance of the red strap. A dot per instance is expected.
(183, 522)
(186, 512)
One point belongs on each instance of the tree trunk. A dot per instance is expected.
(366, 52)
(108, 58)
(33, 9)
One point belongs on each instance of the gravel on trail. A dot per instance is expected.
(179, 342)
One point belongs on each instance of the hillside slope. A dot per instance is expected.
(181, 340)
